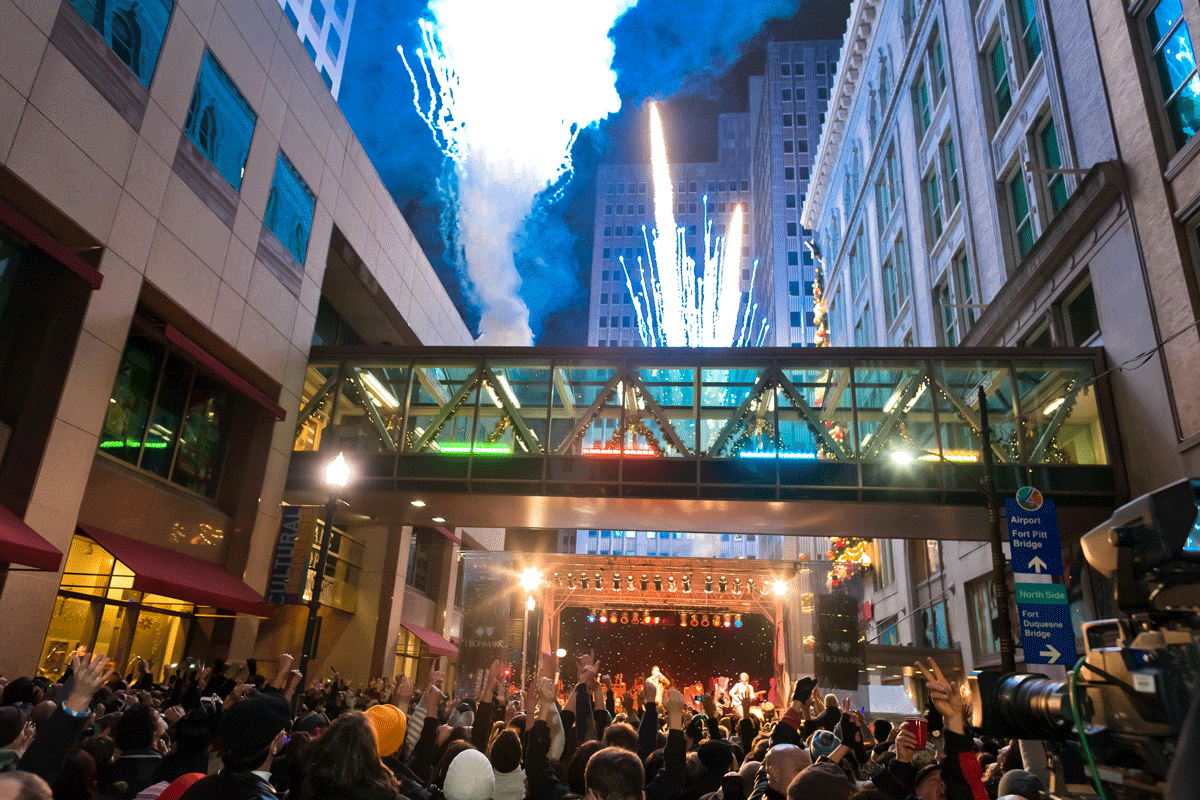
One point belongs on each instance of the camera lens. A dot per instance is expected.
(1024, 706)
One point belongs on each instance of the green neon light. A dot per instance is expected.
(478, 448)
(134, 443)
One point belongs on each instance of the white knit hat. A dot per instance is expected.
(469, 777)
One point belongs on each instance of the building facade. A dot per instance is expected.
(1011, 173)
(788, 106)
(625, 218)
(324, 29)
(184, 212)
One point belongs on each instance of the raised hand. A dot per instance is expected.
(433, 694)
(174, 714)
(589, 668)
(649, 691)
(674, 704)
(23, 739)
(906, 744)
(710, 705)
(89, 676)
(403, 692)
(944, 694)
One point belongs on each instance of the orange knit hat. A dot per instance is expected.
(390, 725)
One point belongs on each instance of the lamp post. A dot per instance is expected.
(337, 475)
(531, 579)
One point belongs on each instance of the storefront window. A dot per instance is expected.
(98, 610)
(166, 417)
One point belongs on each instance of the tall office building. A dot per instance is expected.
(324, 28)
(787, 105)
(625, 216)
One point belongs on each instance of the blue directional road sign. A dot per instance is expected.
(1047, 635)
(1033, 533)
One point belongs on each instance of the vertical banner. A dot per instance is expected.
(289, 566)
(839, 653)
(488, 583)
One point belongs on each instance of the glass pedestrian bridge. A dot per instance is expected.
(745, 440)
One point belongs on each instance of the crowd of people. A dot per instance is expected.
(223, 734)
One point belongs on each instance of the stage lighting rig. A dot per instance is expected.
(708, 584)
(616, 581)
(722, 584)
(704, 620)
(737, 586)
(603, 616)
(658, 583)
(687, 584)
(737, 620)
(645, 582)
(624, 618)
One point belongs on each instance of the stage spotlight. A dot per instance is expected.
(646, 617)
(612, 618)
(636, 618)
(645, 582)
(722, 583)
(597, 584)
(657, 620)
(604, 616)
(737, 620)
(624, 619)
(670, 583)
(737, 585)
(780, 588)
(629, 581)
(658, 583)
(570, 580)
(708, 584)
(616, 581)
(695, 621)
(682, 619)
(687, 584)
(750, 585)
(557, 580)
(704, 620)
(727, 622)
(591, 615)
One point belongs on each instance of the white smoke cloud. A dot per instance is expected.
(506, 86)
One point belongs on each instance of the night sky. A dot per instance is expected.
(685, 655)
(692, 55)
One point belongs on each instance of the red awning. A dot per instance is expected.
(49, 245)
(449, 534)
(438, 645)
(158, 570)
(21, 544)
(223, 373)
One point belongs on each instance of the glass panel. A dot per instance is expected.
(673, 391)
(159, 639)
(71, 627)
(1184, 111)
(108, 632)
(134, 30)
(576, 387)
(1055, 183)
(165, 419)
(384, 387)
(315, 422)
(958, 410)
(1002, 92)
(89, 567)
(442, 410)
(202, 442)
(129, 405)
(824, 390)
(11, 258)
(290, 206)
(220, 122)
(895, 418)
(1062, 421)
(521, 388)
(1030, 34)
(1163, 18)
(1175, 60)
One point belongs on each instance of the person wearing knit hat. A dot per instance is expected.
(716, 759)
(505, 755)
(1019, 783)
(823, 743)
(251, 733)
(390, 726)
(823, 781)
(470, 777)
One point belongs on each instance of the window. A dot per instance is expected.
(895, 280)
(886, 189)
(1030, 36)
(798, 69)
(290, 206)
(1001, 90)
(604, 297)
(794, 288)
(921, 108)
(1022, 218)
(981, 604)
(341, 8)
(220, 122)
(165, 416)
(604, 322)
(789, 201)
(886, 574)
(608, 209)
(333, 44)
(787, 120)
(420, 551)
(791, 229)
(802, 146)
(134, 31)
(787, 145)
(964, 288)
(793, 258)
(745, 186)
(864, 329)
(1081, 318)
(821, 68)
(785, 69)
(945, 301)
(604, 275)
(949, 164)
(797, 319)
(937, 67)
(933, 204)
(802, 119)
(822, 93)
(808, 288)
(889, 632)
(786, 95)
(935, 629)
(1056, 186)
(318, 13)
(789, 173)
(858, 263)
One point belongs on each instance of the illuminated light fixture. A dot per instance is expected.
(529, 603)
(892, 401)
(920, 393)
(770, 454)
(629, 582)
(737, 585)
(603, 616)
(570, 580)
(902, 457)
(531, 579)
(439, 519)
(636, 618)
(561, 653)
(750, 585)
(687, 584)
(476, 448)
(721, 584)
(591, 617)
(737, 620)
(780, 588)
(657, 620)
(670, 583)
(708, 584)
(508, 390)
(596, 581)
(600, 450)
(417, 503)
(1054, 406)
(624, 619)
(378, 391)
(695, 621)
(728, 621)
(557, 580)
(682, 619)
(704, 620)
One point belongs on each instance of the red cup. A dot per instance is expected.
(920, 729)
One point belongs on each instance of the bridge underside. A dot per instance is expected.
(882, 443)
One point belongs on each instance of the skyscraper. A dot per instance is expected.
(787, 105)
(324, 28)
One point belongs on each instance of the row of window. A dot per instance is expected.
(797, 68)
(220, 122)
(786, 94)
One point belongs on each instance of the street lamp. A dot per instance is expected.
(531, 579)
(337, 475)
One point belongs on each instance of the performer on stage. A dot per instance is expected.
(740, 691)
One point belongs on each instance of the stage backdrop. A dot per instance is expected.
(687, 655)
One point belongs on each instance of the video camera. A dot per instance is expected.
(1135, 688)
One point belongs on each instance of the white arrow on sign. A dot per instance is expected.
(1037, 565)
(1050, 653)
